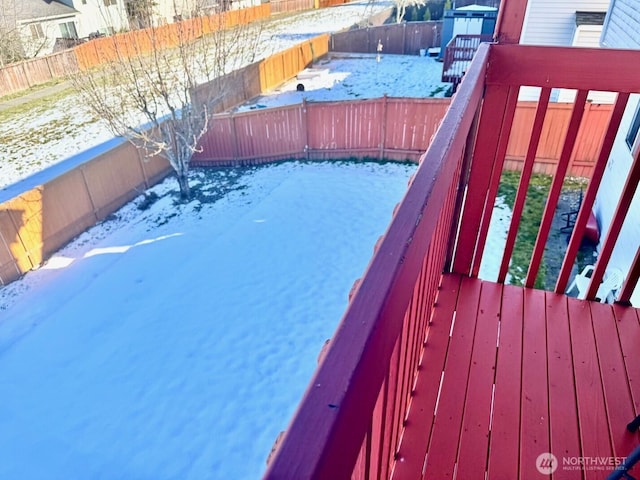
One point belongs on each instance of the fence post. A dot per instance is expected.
(86, 186)
(26, 76)
(385, 109)
(305, 125)
(404, 38)
(234, 137)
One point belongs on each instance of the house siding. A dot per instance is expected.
(622, 24)
(611, 187)
(550, 22)
(620, 31)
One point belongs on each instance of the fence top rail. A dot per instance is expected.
(326, 432)
(333, 103)
(603, 69)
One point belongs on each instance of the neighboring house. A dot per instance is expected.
(563, 23)
(30, 28)
(99, 16)
(36, 24)
(621, 31)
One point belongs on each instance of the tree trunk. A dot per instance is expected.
(183, 181)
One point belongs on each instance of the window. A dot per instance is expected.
(633, 130)
(110, 2)
(36, 30)
(68, 30)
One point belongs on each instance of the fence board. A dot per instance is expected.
(414, 123)
(13, 79)
(62, 63)
(282, 6)
(265, 134)
(114, 178)
(14, 259)
(345, 125)
(66, 211)
(405, 38)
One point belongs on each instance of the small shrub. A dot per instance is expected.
(149, 199)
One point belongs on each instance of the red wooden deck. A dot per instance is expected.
(521, 372)
(441, 375)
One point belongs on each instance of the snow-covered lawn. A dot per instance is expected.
(175, 342)
(43, 133)
(358, 76)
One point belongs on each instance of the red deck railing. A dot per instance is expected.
(351, 421)
(458, 55)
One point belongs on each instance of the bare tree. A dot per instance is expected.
(147, 91)
(402, 5)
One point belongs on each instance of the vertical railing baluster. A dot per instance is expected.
(556, 187)
(523, 185)
(631, 281)
(494, 106)
(592, 190)
(490, 200)
(629, 190)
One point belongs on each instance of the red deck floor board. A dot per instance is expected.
(563, 417)
(534, 403)
(618, 400)
(420, 422)
(629, 334)
(474, 438)
(594, 429)
(504, 450)
(443, 447)
(566, 378)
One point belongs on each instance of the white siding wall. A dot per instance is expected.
(622, 25)
(552, 22)
(587, 36)
(95, 16)
(50, 29)
(621, 31)
(609, 193)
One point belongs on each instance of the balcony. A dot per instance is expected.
(433, 373)
(458, 55)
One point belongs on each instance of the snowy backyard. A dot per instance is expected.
(39, 134)
(160, 346)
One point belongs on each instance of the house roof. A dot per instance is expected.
(25, 10)
(480, 8)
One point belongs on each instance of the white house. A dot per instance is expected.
(38, 23)
(99, 16)
(563, 23)
(621, 31)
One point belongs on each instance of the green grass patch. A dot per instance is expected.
(537, 194)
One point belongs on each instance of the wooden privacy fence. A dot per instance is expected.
(394, 128)
(21, 76)
(282, 6)
(585, 153)
(264, 75)
(402, 39)
(42, 220)
(102, 50)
